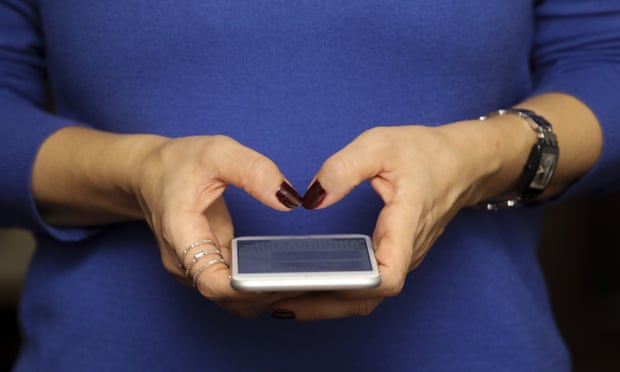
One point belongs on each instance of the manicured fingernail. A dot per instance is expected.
(282, 314)
(288, 196)
(314, 196)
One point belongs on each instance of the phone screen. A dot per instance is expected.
(329, 254)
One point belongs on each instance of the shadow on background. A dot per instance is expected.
(580, 256)
(16, 247)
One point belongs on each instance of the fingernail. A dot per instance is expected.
(282, 314)
(288, 196)
(314, 196)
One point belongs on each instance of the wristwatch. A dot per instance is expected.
(541, 163)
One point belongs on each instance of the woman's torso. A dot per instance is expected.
(295, 80)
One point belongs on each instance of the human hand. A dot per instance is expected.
(179, 187)
(424, 176)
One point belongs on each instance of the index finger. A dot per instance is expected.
(362, 159)
(253, 172)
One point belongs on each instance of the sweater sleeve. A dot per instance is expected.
(25, 122)
(577, 52)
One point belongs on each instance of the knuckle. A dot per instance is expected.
(366, 308)
(341, 165)
(258, 166)
(210, 283)
(259, 169)
(371, 146)
(393, 291)
(207, 292)
(376, 132)
(171, 265)
(222, 140)
(376, 136)
(220, 145)
(393, 288)
(380, 140)
(337, 164)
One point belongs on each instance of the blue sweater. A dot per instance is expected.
(295, 80)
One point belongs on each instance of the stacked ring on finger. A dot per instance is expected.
(206, 266)
(200, 255)
(194, 245)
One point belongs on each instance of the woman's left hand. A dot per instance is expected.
(424, 175)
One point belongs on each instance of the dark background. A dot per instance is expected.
(580, 256)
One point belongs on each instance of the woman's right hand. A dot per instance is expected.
(83, 176)
(179, 188)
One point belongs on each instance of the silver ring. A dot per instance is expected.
(201, 254)
(194, 245)
(206, 266)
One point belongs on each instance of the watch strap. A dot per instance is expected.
(541, 163)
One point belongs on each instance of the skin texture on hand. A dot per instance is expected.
(422, 189)
(424, 175)
(180, 192)
(85, 177)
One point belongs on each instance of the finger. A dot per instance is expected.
(251, 305)
(212, 277)
(360, 160)
(394, 240)
(394, 244)
(191, 234)
(323, 306)
(254, 173)
(221, 224)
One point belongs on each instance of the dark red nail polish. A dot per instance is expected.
(282, 314)
(314, 196)
(288, 196)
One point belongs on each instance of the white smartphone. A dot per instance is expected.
(307, 263)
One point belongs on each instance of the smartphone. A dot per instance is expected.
(306, 263)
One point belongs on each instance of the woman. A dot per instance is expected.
(176, 126)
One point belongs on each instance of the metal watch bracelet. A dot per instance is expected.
(540, 166)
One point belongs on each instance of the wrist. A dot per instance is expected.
(137, 169)
(497, 149)
(538, 170)
(84, 177)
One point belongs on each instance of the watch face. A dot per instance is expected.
(544, 172)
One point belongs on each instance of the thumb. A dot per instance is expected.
(257, 175)
(342, 172)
